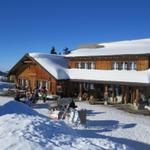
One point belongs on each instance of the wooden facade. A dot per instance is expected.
(105, 63)
(34, 73)
(28, 70)
(130, 93)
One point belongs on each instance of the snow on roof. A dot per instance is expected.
(54, 64)
(130, 47)
(57, 66)
(110, 75)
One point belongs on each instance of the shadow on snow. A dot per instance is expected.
(41, 106)
(93, 113)
(49, 130)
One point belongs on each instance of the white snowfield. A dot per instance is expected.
(130, 47)
(22, 128)
(4, 86)
(3, 78)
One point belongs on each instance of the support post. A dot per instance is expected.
(80, 91)
(123, 93)
(113, 93)
(133, 95)
(105, 94)
(137, 98)
(126, 95)
(137, 92)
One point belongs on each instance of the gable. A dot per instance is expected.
(53, 65)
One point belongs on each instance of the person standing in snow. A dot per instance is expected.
(44, 94)
(106, 97)
(28, 99)
(35, 95)
(72, 104)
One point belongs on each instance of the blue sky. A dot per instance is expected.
(37, 25)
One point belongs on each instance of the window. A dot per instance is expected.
(92, 65)
(129, 65)
(89, 65)
(85, 65)
(59, 89)
(92, 86)
(117, 65)
(120, 65)
(133, 66)
(113, 65)
(39, 84)
(42, 83)
(76, 65)
(124, 65)
(24, 83)
(79, 65)
(82, 65)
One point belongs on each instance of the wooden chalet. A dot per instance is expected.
(121, 66)
(38, 70)
(119, 70)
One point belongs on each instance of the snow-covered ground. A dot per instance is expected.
(5, 86)
(22, 128)
(3, 78)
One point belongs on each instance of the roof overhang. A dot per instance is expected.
(110, 76)
(111, 82)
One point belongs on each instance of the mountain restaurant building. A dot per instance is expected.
(118, 70)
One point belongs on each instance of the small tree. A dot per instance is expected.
(53, 50)
(66, 51)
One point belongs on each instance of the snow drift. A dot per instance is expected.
(22, 128)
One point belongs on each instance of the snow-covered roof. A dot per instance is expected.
(54, 64)
(58, 67)
(130, 47)
(110, 75)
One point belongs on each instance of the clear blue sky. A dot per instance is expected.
(37, 25)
